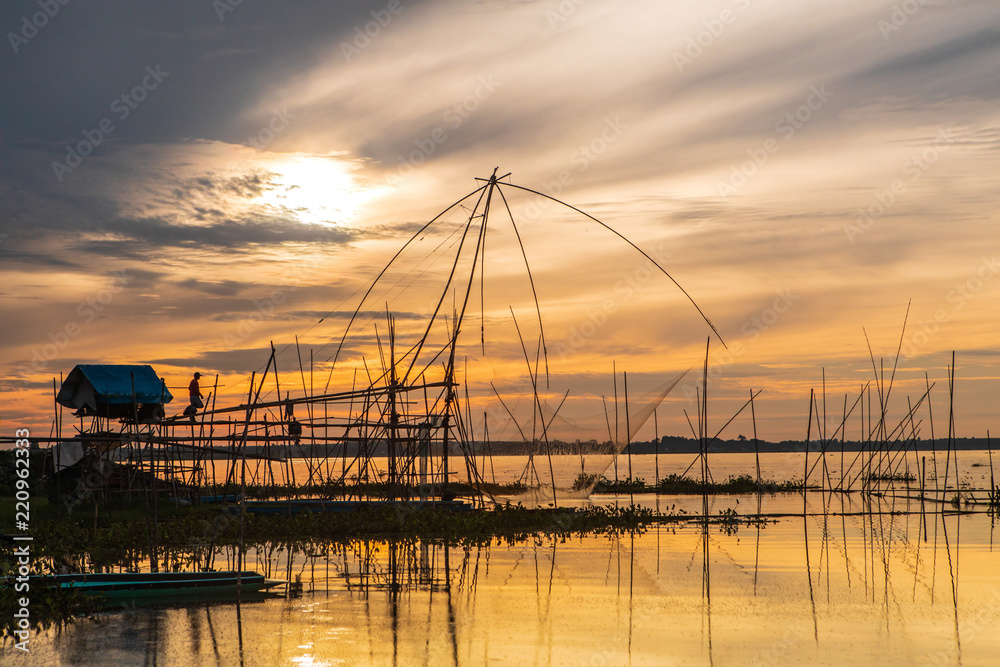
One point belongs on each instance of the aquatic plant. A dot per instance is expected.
(890, 477)
(627, 485)
(742, 484)
(585, 481)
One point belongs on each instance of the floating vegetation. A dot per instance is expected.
(682, 485)
(627, 485)
(122, 542)
(729, 521)
(584, 481)
(336, 489)
(742, 484)
(890, 477)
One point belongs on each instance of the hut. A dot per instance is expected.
(115, 392)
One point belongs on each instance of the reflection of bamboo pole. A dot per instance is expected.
(805, 536)
(953, 572)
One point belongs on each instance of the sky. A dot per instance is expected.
(184, 184)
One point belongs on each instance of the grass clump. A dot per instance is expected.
(627, 485)
(741, 484)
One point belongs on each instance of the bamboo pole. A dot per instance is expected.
(756, 445)
(628, 445)
(656, 438)
(805, 475)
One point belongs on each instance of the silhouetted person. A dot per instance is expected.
(195, 391)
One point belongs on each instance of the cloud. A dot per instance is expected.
(273, 161)
(319, 315)
(246, 360)
(144, 202)
(219, 361)
(153, 234)
(217, 288)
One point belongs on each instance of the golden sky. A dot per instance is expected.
(180, 186)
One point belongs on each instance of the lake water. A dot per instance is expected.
(973, 468)
(838, 587)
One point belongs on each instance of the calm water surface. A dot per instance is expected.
(838, 587)
(973, 468)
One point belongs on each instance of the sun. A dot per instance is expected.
(315, 189)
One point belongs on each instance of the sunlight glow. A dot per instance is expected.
(315, 189)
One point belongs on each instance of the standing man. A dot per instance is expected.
(195, 392)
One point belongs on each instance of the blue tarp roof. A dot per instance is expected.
(90, 385)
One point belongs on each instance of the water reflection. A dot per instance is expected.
(845, 581)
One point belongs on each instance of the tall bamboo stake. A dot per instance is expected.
(756, 445)
(614, 375)
(656, 437)
(628, 436)
(805, 475)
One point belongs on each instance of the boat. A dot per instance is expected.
(164, 585)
